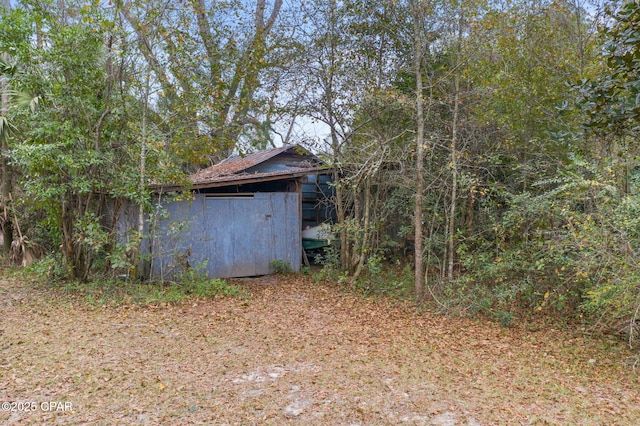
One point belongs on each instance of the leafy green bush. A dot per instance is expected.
(195, 282)
(181, 291)
(329, 258)
(280, 266)
(385, 279)
(192, 283)
(573, 249)
(49, 269)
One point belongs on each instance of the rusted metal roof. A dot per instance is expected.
(236, 168)
(245, 178)
(237, 163)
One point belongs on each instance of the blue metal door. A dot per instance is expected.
(237, 236)
(247, 233)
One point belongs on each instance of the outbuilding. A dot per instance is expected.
(239, 218)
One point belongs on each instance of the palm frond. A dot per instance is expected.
(5, 126)
(24, 99)
(8, 68)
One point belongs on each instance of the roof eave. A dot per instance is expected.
(240, 180)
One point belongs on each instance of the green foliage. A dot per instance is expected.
(572, 250)
(195, 282)
(184, 290)
(61, 155)
(193, 274)
(331, 276)
(505, 318)
(50, 269)
(379, 278)
(527, 56)
(386, 280)
(375, 264)
(331, 271)
(114, 291)
(610, 100)
(81, 145)
(280, 266)
(211, 62)
(118, 256)
(329, 258)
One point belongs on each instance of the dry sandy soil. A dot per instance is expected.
(296, 353)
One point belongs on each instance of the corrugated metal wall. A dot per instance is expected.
(235, 236)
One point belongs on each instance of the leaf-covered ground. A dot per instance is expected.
(297, 353)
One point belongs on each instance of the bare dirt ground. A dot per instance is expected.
(296, 353)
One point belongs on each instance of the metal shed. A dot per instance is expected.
(241, 217)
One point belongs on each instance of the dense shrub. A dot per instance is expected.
(573, 249)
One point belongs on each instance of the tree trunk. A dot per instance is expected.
(68, 246)
(419, 267)
(7, 172)
(355, 241)
(77, 256)
(470, 214)
(7, 227)
(136, 262)
(364, 246)
(341, 218)
(454, 179)
(7, 175)
(329, 99)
